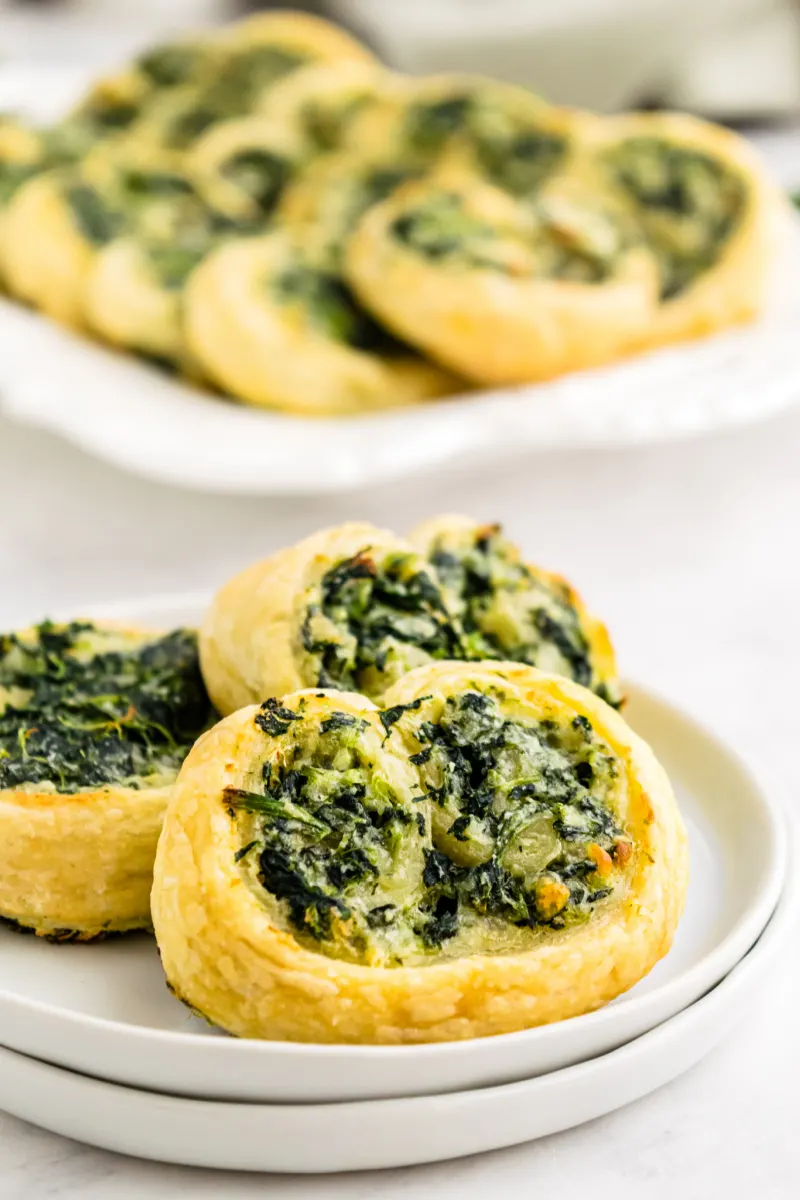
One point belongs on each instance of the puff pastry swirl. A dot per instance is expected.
(356, 607)
(94, 724)
(500, 291)
(706, 210)
(274, 324)
(492, 851)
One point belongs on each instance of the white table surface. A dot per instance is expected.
(691, 554)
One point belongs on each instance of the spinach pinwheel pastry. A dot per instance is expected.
(134, 287)
(497, 132)
(242, 166)
(500, 291)
(272, 323)
(510, 609)
(95, 722)
(319, 103)
(22, 156)
(356, 608)
(706, 210)
(253, 57)
(353, 607)
(52, 230)
(492, 851)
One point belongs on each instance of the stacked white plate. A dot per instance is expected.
(93, 1046)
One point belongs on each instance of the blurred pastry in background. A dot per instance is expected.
(271, 322)
(705, 209)
(500, 291)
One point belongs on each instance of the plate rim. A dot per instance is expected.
(650, 1047)
(743, 935)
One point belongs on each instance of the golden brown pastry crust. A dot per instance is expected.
(273, 355)
(79, 865)
(46, 258)
(499, 325)
(250, 641)
(127, 307)
(227, 956)
(733, 290)
(296, 31)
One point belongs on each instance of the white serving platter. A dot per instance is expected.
(133, 416)
(104, 1010)
(140, 420)
(386, 1133)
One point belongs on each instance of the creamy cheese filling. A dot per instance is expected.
(510, 826)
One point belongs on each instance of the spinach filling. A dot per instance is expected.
(345, 200)
(688, 205)
(247, 73)
(511, 829)
(96, 219)
(232, 93)
(372, 620)
(513, 152)
(98, 118)
(522, 827)
(507, 611)
(175, 227)
(325, 123)
(76, 714)
(185, 128)
(169, 66)
(330, 309)
(330, 835)
(440, 230)
(260, 175)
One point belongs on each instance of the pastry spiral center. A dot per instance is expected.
(513, 152)
(373, 619)
(688, 205)
(507, 826)
(549, 244)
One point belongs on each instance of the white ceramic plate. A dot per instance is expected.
(384, 1133)
(104, 1009)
